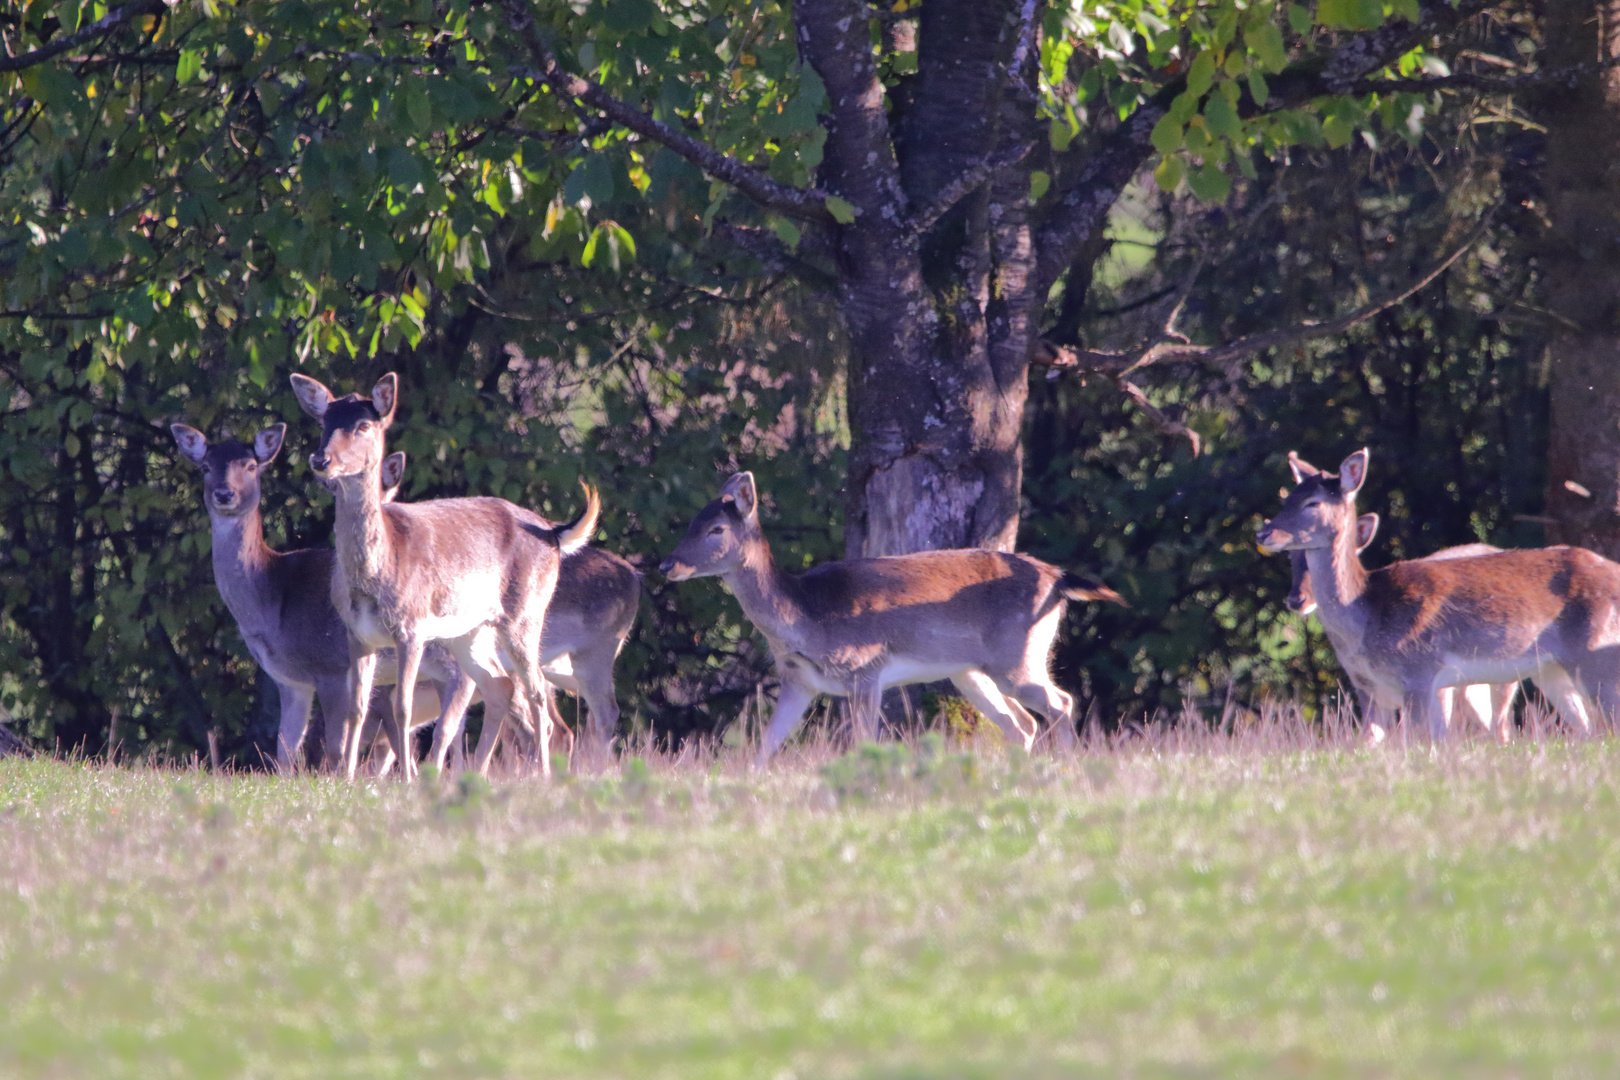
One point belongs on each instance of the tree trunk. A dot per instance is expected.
(940, 324)
(1582, 266)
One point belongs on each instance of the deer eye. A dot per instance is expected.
(253, 466)
(363, 426)
(717, 530)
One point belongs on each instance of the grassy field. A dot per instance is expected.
(1262, 906)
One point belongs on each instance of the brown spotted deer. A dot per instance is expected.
(1410, 630)
(475, 573)
(281, 600)
(591, 613)
(983, 619)
(1489, 703)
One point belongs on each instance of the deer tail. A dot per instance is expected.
(577, 533)
(1073, 586)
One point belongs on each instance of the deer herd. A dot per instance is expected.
(449, 601)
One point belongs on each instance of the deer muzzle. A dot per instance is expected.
(674, 570)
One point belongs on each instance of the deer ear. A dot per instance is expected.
(1366, 529)
(193, 443)
(741, 490)
(312, 396)
(1300, 467)
(393, 469)
(267, 443)
(1353, 473)
(384, 396)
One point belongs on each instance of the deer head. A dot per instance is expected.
(230, 469)
(718, 537)
(1319, 509)
(352, 427)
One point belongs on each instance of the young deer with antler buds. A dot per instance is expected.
(475, 573)
(983, 619)
(1412, 629)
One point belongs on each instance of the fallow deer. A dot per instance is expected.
(983, 619)
(597, 597)
(281, 600)
(475, 573)
(1489, 703)
(1413, 628)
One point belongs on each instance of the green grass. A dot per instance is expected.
(1228, 910)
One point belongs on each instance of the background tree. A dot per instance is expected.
(628, 240)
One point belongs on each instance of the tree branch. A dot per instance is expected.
(958, 189)
(859, 161)
(96, 29)
(795, 202)
(1082, 208)
(1116, 365)
(1486, 84)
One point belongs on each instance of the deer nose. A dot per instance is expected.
(667, 565)
(319, 461)
(224, 497)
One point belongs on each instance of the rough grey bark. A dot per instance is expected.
(1582, 266)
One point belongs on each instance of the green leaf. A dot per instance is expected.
(1258, 88)
(1201, 75)
(1406, 9)
(1299, 19)
(189, 66)
(419, 108)
(1166, 136)
(1221, 117)
(1169, 172)
(628, 16)
(1266, 42)
(592, 178)
(1350, 14)
(1039, 183)
(841, 210)
(1210, 184)
(786, 231)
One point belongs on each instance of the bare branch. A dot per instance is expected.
(1166, 424)
(66, 42)
(778, 259)
(808, 204)
(1506, 84)
(1115, 365)
(958, 189)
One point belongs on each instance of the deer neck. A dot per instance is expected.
(242, 564)
(363, 550)
(766, 594)
(1339, 580)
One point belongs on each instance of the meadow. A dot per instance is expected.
(1274, 902)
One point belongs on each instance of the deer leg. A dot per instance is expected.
(980, 689)
(409, 651)
(1502, 697)
(1566, 697)
(866, 706)
(456, 696)
(1426, 708)
(791, 703)
(295, 702)
(1045, 698)
(477, 655)
(593, 677)
(344, 736)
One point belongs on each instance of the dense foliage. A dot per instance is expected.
(198, 200)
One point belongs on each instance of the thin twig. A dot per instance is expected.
(810, 204)
(63, 44)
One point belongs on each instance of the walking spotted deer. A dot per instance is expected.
(1489, 703)
(281, 600)
(597, 597)
(1411, 629)
(983, 619)
(475, 573)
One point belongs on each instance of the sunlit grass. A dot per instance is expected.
(1271, 905)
